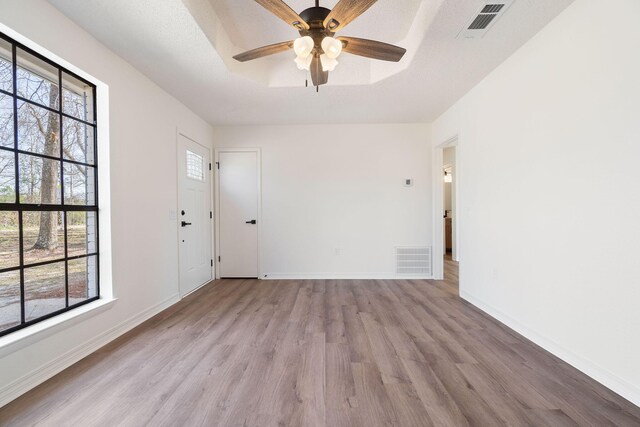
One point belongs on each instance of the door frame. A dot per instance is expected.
(176, 217)
(438, 206)
(216, 215)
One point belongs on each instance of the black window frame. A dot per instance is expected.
(20, 208)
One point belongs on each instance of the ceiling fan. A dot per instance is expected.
(316, 49)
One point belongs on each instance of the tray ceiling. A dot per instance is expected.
(186, 46)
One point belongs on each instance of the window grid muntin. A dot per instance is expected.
(44, 156)
(21, 207)
(46, 107)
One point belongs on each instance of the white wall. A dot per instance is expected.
(339, 186)
(143, 187)
(548, 153)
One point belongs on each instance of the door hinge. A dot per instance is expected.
(210, 214)
(209, 166)
(218, 259)
(218, 165)
(211, 263)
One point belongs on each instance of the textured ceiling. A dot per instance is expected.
(184, 46)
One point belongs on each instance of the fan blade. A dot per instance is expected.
(318, 77)
(263, 51)
(344, 12)
(284, 12)
(372, 49)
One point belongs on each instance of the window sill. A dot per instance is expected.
(34, 333)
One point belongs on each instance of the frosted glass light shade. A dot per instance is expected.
(303, 63)
(328, 63)
(303, 46)
(331, 47)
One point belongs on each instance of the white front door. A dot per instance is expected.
(238, 211)
(194, 221)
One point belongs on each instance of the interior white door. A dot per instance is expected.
(194, 215)
(238, 213)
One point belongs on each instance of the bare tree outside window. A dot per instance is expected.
(48, 206)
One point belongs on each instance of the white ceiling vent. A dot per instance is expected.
(482, 21)
(413, 260)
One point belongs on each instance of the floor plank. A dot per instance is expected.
(322, 353)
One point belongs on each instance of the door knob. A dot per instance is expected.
(253, 221)
(185, 223)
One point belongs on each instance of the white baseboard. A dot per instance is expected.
(25, 383)
(343, 276)
(603, 376)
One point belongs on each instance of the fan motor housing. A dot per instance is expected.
(315, 16)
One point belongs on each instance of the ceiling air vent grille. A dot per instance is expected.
(413, 260)
(483, 19)
(481, 22)
(492, 8)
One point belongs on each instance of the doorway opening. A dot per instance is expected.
(449, 181)
(449, 193)
(446, 224)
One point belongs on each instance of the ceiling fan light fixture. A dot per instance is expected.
(303, 46)
(316, 48)
(328, 63)
(331, 47)
(303, 63)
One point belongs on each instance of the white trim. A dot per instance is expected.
(589, 368)
(344, 276)
(195, 289)
(216, 214)
(32, 379)
(31, 334)
(47, 53)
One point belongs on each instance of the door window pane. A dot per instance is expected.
(9, 300)
(38, 130)
(78, 139)
(43, 236)
(39, 180)
(44, 290)
(6, 121)
(37, 80)
(9, 240)
(195, 166)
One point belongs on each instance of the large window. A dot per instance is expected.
(48, 188)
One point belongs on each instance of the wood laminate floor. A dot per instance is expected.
(322, 353)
